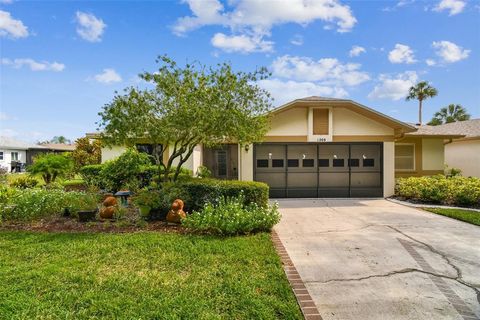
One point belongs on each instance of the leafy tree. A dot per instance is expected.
(188, 106)
(51, 166)
(421, 91)
(451, 113)
(86, 152)
(60, 139)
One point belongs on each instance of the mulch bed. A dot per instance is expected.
(106, 226)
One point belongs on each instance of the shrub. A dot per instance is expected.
(440, 189)
(32, 204)
(24, 182)
(198, 192)
(51, 166)
(204, 172)
(86, 152)
(91, 175)
(3, 174)
(230, 216)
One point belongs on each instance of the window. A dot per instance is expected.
(14, 156)
(262, 163)
(338, 162)
(277, 163)
(405, 157)
(307, 163)
(1, 155)
(369, 162)
(353, 162)
(292, 163)
(323, 162)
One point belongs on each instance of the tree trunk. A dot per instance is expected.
(420, 112)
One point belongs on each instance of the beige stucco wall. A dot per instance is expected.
(292, 122)
(348, 123)
(246, 164)
(464, 155)
(388, 169)
(110, 153)
(433, 157)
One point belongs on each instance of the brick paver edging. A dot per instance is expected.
(308, 307)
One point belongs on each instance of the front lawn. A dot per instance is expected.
(459, 214)
(142, 275)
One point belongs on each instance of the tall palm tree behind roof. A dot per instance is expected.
(421, 91)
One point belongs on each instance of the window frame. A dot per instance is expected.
(413, 157)
(12, 158)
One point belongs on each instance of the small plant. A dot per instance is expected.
(3, 174)
(147, 200)
(204, 172)
(50, 166)
(24, 182)
(452, 172)
(232, 217)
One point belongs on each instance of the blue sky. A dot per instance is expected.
(61, 61)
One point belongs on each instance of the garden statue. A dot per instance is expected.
(176, 213)
(109, 207)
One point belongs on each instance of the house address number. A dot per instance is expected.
(322, 139)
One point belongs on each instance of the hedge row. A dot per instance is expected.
(460, 191)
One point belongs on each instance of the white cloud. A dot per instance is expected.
(34, 65)
(89, 27)
(241, 43)
(255, 18)
(108, 76)
(394, 88)
(6, 1)
(449, 52)
(284, 91)
(4, 116)
(401, 54)
(327, 71)
(356, 51)
(454, 6)
(10, 27)
(297, 40)
(430, 62)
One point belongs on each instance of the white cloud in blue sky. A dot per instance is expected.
(11, 27)
(356, 51)
(108, 76)
(90, 28)
(33, 65)
(450, 52)
(401, 54)
(452, 6)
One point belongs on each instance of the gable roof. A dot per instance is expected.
(469, 129)
(352, 105)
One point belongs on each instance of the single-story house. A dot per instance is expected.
(325, 147)
(15, 155)
(462, 153)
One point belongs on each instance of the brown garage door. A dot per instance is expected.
(311, 170)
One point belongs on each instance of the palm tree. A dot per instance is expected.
(420, 92)
(60, 139)
(451, 113)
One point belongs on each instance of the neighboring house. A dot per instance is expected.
(16, 154)
(463, 153)
(324, 147)
(13, 153)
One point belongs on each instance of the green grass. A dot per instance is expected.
(472, 217)
(142, 275)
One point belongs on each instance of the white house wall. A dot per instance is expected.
(349, 123)
(110, 153)
(388, 169)
(7, 157)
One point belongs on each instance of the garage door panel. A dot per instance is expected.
(273, 179)
(320, 170)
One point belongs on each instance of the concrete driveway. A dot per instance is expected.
(373, 259)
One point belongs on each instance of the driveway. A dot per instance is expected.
(373, 259)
